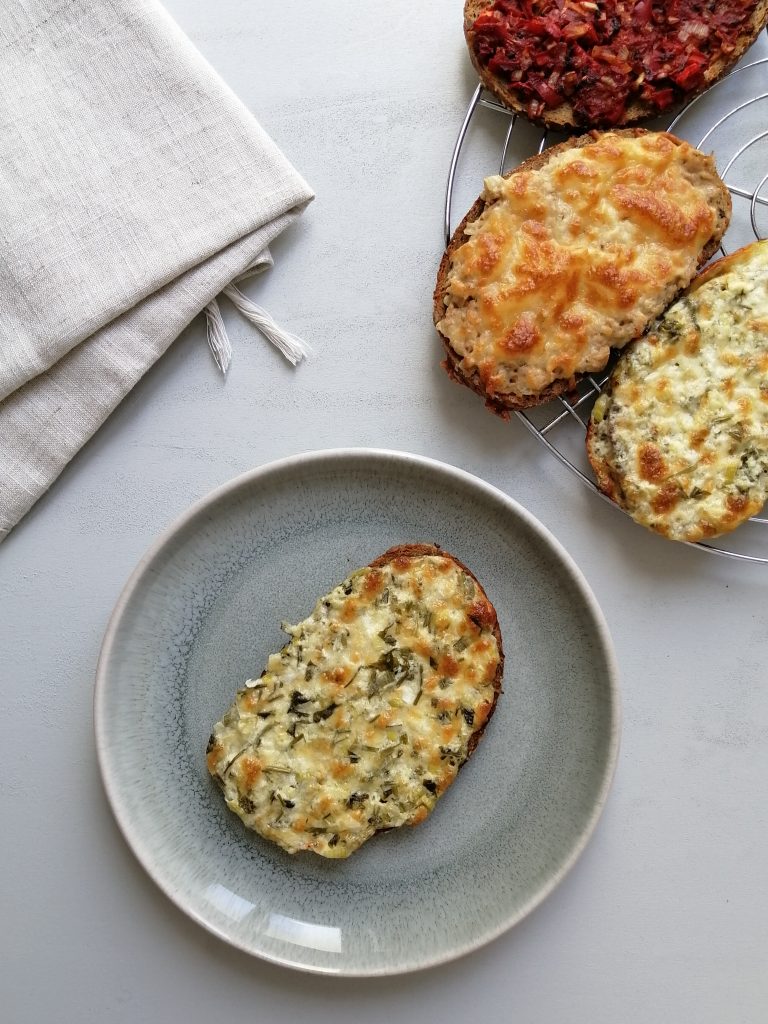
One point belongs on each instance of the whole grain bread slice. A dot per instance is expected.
(563, 116)
(502, 405)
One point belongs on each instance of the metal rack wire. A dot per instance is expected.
(560, 425)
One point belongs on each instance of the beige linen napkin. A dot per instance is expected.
(134, 188)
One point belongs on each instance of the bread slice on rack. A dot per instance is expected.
(679, 437)
(605, 65)
(569, 255)
(365, 717)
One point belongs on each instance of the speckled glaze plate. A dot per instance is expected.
(202, 612)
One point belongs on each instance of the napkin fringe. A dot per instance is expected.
(292, 347)
(217, 336)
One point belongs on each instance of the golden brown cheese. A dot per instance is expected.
(679, 439)
(365, 716)
(574, 257)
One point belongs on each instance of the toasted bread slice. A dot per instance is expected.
(562, 82)
(679, 437)
(575, 251)
(364, 718)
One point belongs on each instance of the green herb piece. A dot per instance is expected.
(264, 731)
(320, 716)
(380, 680)
(417, 698)
(392, 668)
(354, 676)
(239, 754)
(385, 636)
(297, 698)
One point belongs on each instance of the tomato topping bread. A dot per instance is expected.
(679, 438)
(599, 65)
(364, 718)
(574, 252)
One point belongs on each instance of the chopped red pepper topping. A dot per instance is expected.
(600, 56)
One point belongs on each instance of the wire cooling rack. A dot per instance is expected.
(728, 120)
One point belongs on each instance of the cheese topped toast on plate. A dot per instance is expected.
(364, 718)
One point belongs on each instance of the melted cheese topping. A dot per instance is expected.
(575, 257)
(365, 716)
(680, 438)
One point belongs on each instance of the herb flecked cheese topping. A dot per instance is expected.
(365, 716)
(679, 439)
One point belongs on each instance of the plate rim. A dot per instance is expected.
(364, 455)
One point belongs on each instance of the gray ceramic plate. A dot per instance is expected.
(202, 612)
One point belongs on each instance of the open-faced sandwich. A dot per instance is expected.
(569, 255)
(363, 719)
(679, 438)
(605, 64)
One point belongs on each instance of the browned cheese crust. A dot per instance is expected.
(503, 404)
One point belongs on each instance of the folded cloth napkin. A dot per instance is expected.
(134, 188)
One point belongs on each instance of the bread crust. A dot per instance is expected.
(503, 406)
(419, 550)
(564, 116)
(601, 467)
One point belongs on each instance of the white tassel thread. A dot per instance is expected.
(217, 336)
(292, 347)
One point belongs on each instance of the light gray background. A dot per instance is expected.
(665, 917)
